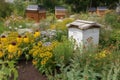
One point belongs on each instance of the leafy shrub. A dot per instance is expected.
(109, 38)
(92, 65)
(61, 25)
(112, 19)
(7, 70)
(5, 9)
(19, 7)
(63, 52)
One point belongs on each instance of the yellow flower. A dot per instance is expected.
(1, 54)
(43, 62)
(46, 59)
(49, 54)
(36, 34)
(35, 53)
(26, 39)
(19, 39)
(34, 62)
(49, 48)
(3, 39)
(39, 43)
(41, 55)
(102, 55)
(12, 47)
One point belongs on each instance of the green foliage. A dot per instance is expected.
(60, 34)
(78, 5)
(92, 64)
(15, 22)
(64, 51)
(2, 28)
(19, 7)
(109, 38)
(5, 9)
(109, 34)
(44, 24)
(7, 70)
(86, 66)
(105, 37)
(113, 20)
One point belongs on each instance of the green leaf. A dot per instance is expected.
(70, 76)
(15, 72)
(11, 64)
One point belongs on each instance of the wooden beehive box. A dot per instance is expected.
(101, 11)
(92, 10)
(84, 32)
(42, 12)
(35, 12)
(60, 12)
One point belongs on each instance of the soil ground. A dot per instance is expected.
(27, 71)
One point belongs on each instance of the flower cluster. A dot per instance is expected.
(13, 44)
(42, 52)
(102, 54)
(15, 22)
(48, 35)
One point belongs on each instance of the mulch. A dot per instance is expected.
(27, 71)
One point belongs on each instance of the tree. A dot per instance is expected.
(78, 5)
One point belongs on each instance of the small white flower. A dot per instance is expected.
(15, 28)
(10, 27)
(20, 26)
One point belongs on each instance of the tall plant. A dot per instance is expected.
(63, 52)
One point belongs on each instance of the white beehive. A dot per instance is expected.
(84, 32)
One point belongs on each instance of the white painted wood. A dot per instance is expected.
(84, 37)
(77, 35)
(83, 25)
(91, 37)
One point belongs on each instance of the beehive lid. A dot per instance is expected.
(61, 8)
(102, 8)
(32, 7)
(83, 25)
(92, 9)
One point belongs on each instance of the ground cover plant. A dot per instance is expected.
(53, 54)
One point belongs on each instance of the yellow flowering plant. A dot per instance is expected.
(14, 45)
(43, 55)
(24, 42)
(13, 51)
(1, 54)
(10, 52)
(61, 25)
(36, 33)
(102, 54)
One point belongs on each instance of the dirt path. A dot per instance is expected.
(27, 71)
